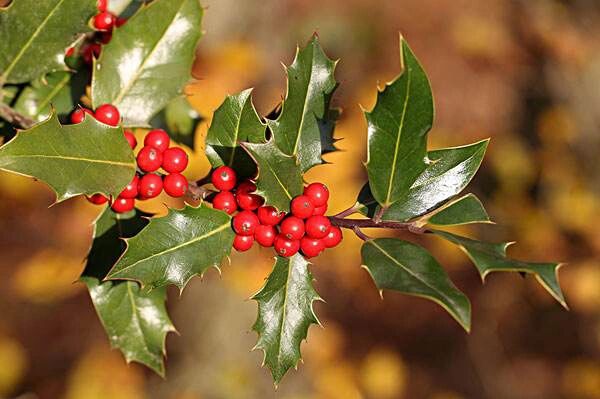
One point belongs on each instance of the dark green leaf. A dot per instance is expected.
(398, 126)
(465, 210)
(279, 176)
(450, 171)
(298, 129)
(86, 158)
(174, 248)
(136, 322)
(285, 311)
(35, 35)
(233, 122)
(490, 257)
(180, 120)
(401, 266)
(141, 70)
(37, 100)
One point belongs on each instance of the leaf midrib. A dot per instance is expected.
(285, 298)
(304, 106)
(55, 90)
(27, 44)
(67, 158)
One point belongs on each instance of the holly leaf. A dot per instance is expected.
(311, 84)
(180, 120)
(135, 321)
(465, 210)
(279, 175)
(174, 248)
(34, 30)
(397, 129)
(233, 122)
(408, 268)
(141, 70)
(491, 257)
(285, 312)
(37, 100)
(86, 158)
(448, 173)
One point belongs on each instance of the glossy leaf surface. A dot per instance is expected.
(298, 128)
(490, 257)
(37, 100)
(86, 158)
(35, 35)
(174, 248)
(285, 311)
(465, 210)
(141, 70)
(136, 322)
(408, 268)
(397, 130)
(233, 122)
(279, 176)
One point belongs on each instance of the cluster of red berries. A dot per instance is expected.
(155, 154)
(305, 228)
(103, 22)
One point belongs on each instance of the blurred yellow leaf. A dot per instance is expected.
(384, 375)
(337, 381)
(581, 379)
(47, 276)
(13, 364)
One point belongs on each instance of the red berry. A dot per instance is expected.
(318, 193)
(109, 114)
(248, 201)
(105, 37)
(175, 184)
(120, 22)
(225, 201)
(320, 210)
(317, 226)
(91, 51)
(286, 247)
(97, 199)
(311, 247)
(102, 5)
(333, 238)
(302, 207)
(130, 137)
(175, 160)
(224, 178)
(150, 186)
(242, 243)
(79, 114)
(246, 187)
(158, 139)
(292, 228)
(149, 159)
(269, 215)
(104, 21)
(121, 205)
(70, 51)
(265, 235)
(245, 223)
(131, 190)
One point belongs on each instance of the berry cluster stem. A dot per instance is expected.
(15, 118)
(357, 224)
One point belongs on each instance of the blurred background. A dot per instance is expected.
(525, 73)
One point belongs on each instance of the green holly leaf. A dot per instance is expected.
(135, 321)
(37, 100)
(450, 171)
(174, 248)
(279, 175)
(141, 70)
(398, 126)
(233, 122)
(285, 311)
(491, 257)
(86, 158)
(465, 210)
(180, 120)
(297, 130)
(408, 268)
(37, 33)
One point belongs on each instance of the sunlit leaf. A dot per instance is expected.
(465, 210)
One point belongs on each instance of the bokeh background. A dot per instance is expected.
(525, 73)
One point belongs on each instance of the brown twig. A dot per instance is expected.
(15, 118)
(197, 192)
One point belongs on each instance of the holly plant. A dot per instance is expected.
(76, 76)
